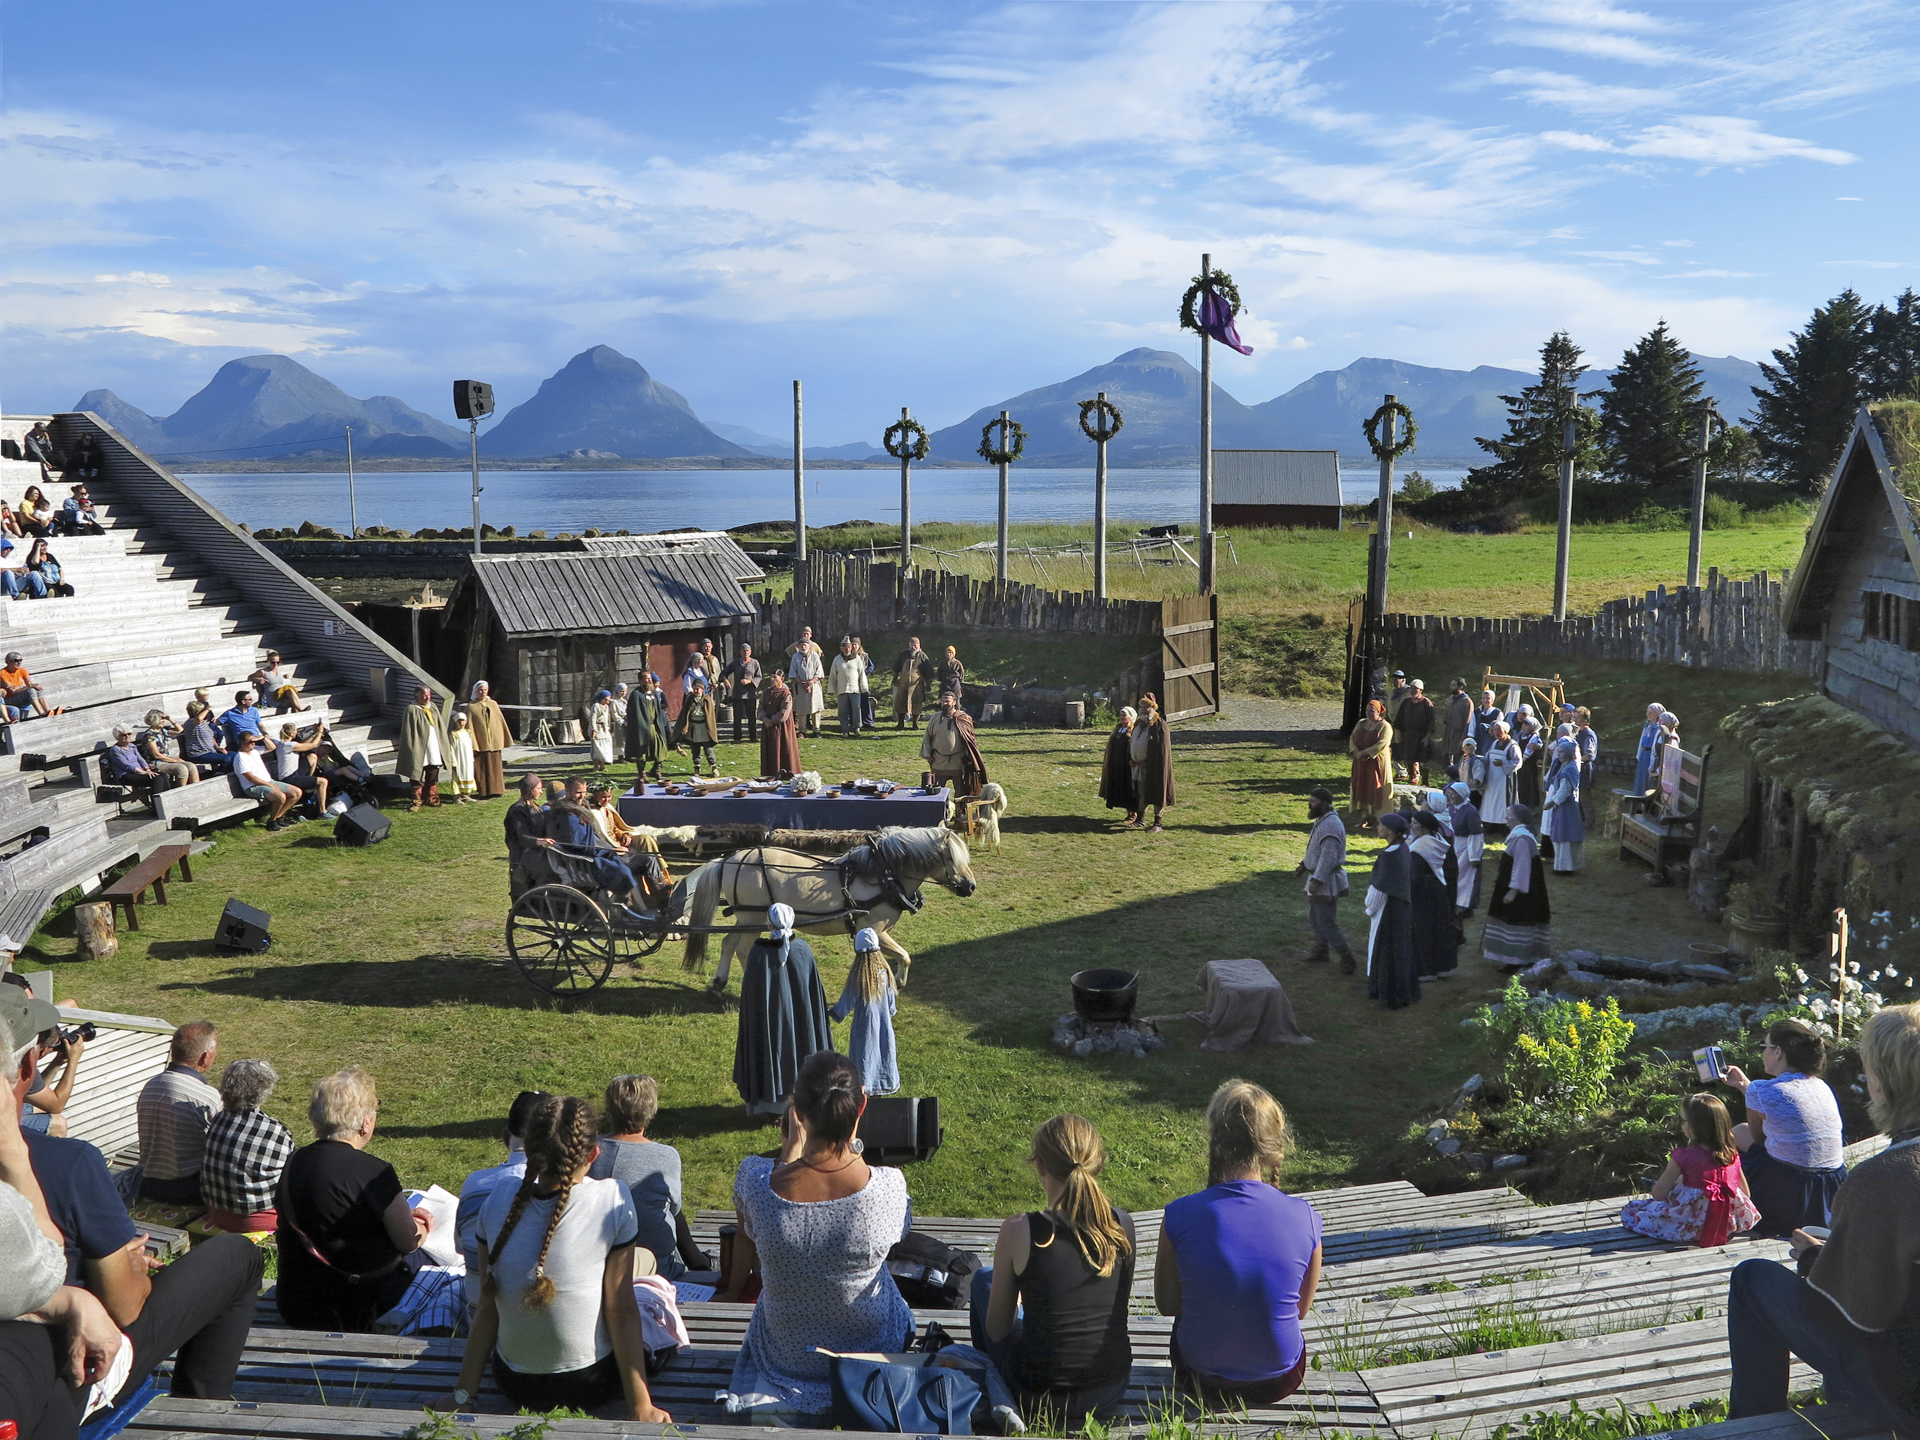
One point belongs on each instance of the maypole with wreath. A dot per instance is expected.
(1100, 421)
(1002, 451)
(1209, 308)
(1388, 443)
(906, 441)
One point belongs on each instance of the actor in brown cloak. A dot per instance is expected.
(1368, 746)
(951, 752)
(779, 745)
(1116, 769)
(491, 736)
(1151, 750)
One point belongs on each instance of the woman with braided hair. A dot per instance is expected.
(1051, 1312)
(557, 1314)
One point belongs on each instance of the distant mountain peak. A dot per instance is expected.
(603, 400)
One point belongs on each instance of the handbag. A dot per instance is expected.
(880, 1395)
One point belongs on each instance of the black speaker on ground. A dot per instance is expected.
(897, 1128)
(472, 399)
(243, 928)
(362, 825)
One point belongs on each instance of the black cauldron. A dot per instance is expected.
(1105, 995)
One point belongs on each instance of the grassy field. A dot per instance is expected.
(393, 958)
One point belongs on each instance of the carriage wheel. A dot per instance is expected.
(560, 941)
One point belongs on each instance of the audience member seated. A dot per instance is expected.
(123, 764)
(38, 445)
(246, 1151)
(525, 827)
(43, 577)
(23, 579)
(567, 825)
(815, 1225)
(156, 743)
(477, 1187)
(1852, 1311)
(258, 783)
(84, 462)
(296, 763)
(1239, 1262)
(242, 719)
(557, 1315)
(278, 686)
(173, 1111)
(18, 692)
(77, 515)
(1051, 1312)
(201, 743)
(48, 1096)
(35, 513)
(200, 1306)
(9, 528)
(651, 1173)
(345, 1229)
(1790, 1146)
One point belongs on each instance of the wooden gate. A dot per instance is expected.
(1190, 657)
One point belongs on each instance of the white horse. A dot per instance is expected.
(877, 883)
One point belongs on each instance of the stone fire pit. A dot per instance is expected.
(1135, 1038)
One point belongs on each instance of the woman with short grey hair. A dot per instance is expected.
(246, 1151)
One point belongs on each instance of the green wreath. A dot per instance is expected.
(1106, 417)
(1372, 427)
(1014, 438)
(1221, 281)
(896, 442)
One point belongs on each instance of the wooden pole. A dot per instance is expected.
(799, 502)
(353, 503)
(1699, 496)
(1000, 553)
(1206, 444)
(1383, 515)
(1569, 435)
(1100, 512)
(906, 497)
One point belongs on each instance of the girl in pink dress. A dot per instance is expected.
(1701, 1198)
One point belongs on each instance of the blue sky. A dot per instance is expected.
(934, 205)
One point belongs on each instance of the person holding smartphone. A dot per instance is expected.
(1791, 1145)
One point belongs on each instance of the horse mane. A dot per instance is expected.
(925, 845)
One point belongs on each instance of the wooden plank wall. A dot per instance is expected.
(1725, 624)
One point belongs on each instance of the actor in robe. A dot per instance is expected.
(779, 745)
(1587, 741)
(950, 750)
(1391, 977)
(911, 667)
(1150, 749)
(526, 822)
(1456, 722)
(1472, 768)
(1325, 869)
(1519, 917)
(491, 736)
(1643, 754)
(1469, 844)
(1529, 788)
(1484, 720)
(1397, 695)
(1503, 760)
(568, 825)
(1413, 731)
(1564, 824)
(422, 750)
(1116, 767)
(806, 677)
(697, 729)
(783, 1016)
(1369, 747)
(1436, 934)
(647, 728)
(600, 729)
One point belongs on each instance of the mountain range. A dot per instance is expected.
(601, 404)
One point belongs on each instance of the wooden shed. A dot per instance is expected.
(1298, 488)
(550, 629)
(1857, 586)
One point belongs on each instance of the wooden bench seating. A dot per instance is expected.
(203, 803)
(150, 873)
(1661, 829)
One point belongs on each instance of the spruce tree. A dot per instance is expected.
(1650, 413)
(1805, 411)
(1893, 345)
(1527, 458)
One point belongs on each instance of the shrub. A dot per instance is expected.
(1553, 1059)
(1724, 514)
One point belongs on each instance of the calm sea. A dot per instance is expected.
(642, 500)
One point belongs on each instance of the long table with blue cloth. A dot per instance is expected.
(824, 809)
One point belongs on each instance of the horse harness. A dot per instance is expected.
(877, 871)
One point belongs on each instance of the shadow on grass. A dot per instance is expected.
(689, 1122)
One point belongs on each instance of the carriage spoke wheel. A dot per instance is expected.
(560, 941)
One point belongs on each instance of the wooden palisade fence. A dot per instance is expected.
(1723, 625)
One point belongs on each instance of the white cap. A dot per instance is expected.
(866, 939)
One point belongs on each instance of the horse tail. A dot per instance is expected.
(703, 900)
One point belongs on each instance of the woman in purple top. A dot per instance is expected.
(1239, 1262)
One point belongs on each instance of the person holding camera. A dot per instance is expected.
(46, 1105)
(296, 762)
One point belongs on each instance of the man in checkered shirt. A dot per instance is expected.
(246, 1151)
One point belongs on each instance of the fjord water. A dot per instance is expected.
(641, 500)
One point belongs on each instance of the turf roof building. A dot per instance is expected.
(1295, 488)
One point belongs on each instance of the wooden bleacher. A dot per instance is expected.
(1406, 1275)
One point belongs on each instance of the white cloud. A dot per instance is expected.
(1706, 139)
(1583, 96)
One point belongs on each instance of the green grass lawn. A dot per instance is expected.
(394, 958)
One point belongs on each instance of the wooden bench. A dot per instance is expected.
(1659, 828)
(150, 873)
(203, 803)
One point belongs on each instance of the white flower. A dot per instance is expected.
(1853, 967)
(1800, 975)
(1890, 973)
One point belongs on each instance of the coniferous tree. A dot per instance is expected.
(1527, 458)
(1806, 410)
(1893, 346)
(1733, 457)
(1650, 413)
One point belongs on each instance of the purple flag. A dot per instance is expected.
(1216, 318)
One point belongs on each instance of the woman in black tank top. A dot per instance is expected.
(1052, 1310)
